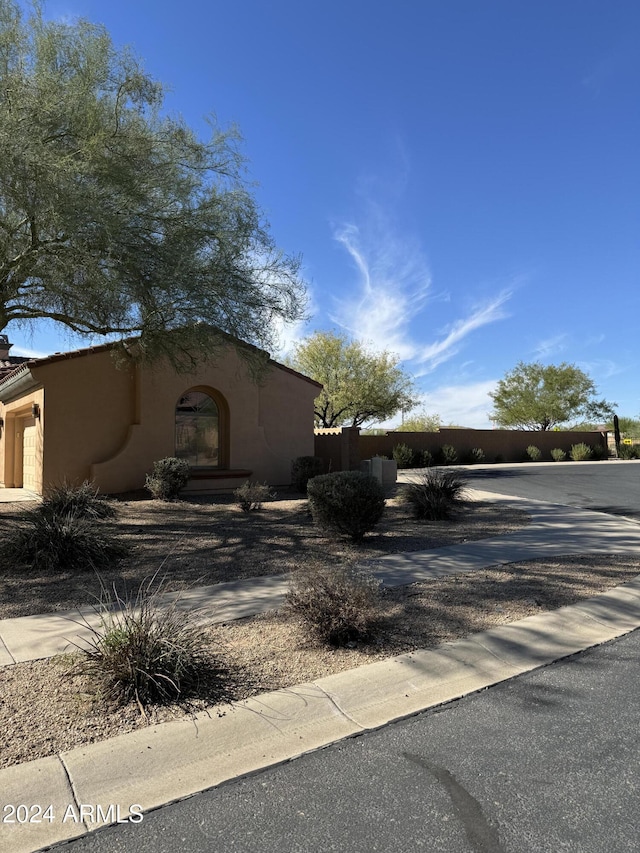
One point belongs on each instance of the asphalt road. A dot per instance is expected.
(545, 762)
(612, 487)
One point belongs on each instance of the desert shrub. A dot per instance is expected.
(533, 453)
(337, 604)
(403, 455)
(435, 495)
(629, 451)
(348, 502)
(303, 469)
(48, 542)
(599, 451)
(558, 455)
(82, 501)
(251, 496)
(423, 459)
(475, 455)
(448, 455)
(168, 478)
(147, 650)
(580, 452)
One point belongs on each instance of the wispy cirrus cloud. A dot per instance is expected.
(551, 346)
(442, 350)
(393, 286)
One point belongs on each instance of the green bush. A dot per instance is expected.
(168, 478)
(599, 452)
(251, 496)
(448, 455)
(435, 495)
(580, 452)
(147, 650)
(347, 502)
(423, 459)
(338, 605)
(475, 455)
(403, 455)
(303, 469)
(533, 453)
(558, 455)
(82, 501)
(48, 542)
(629, 451)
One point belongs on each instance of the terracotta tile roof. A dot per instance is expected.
(9, 363)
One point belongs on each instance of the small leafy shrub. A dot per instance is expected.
(147, 650)
(558, 455)
(533, 453)
(337, 604)
(435, 495)
(629, 451)
(599, 452)
(580, 452)
(348, 502)
(251, 496)
(423, 459)
(475, 455)
(168, 478)
(403, 455)
(303, 469)
(82, 501)
(48, 542)
(448, 454)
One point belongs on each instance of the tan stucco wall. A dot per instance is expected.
(109, 425)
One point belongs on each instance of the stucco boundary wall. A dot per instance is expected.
(343, 449)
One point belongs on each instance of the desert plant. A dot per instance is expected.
(147, 649)
(435, 495)
(580, 452)
(83, 501)
(168, 478)
(348, 502)
(48, 542)
(403, 455)
(533, 453)
(599, 452)
(337, 604)
(251, 496)
(423, 459)
(629, 451)
(303, 469)
(558, 455)
(448, 454)
(475, 455)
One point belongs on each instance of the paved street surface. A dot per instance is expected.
(612, 487)
(545, 762)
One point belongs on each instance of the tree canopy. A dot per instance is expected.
(538, 397)
(116, 219)
(420, 422)
(359, 386)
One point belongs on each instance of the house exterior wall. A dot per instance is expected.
(109, 424)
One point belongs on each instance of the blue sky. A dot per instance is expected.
(461, 178)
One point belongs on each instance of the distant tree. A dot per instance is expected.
(629, 427)
(116, 219)
(359, 386)
(538, 397)
(420, 422)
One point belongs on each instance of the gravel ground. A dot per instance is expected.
(44, 709)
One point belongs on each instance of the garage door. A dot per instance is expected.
(29, 455)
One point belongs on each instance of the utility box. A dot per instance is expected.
(384, 470)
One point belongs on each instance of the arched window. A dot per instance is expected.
(198, 430)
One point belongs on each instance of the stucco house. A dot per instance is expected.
(81, 415)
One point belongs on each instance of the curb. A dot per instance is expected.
(119, 779)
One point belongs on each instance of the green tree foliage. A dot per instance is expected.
(537, 397)
(420, 422)
(358, 386)
(116, 219)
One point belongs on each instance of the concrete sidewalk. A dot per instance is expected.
(159, 764)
